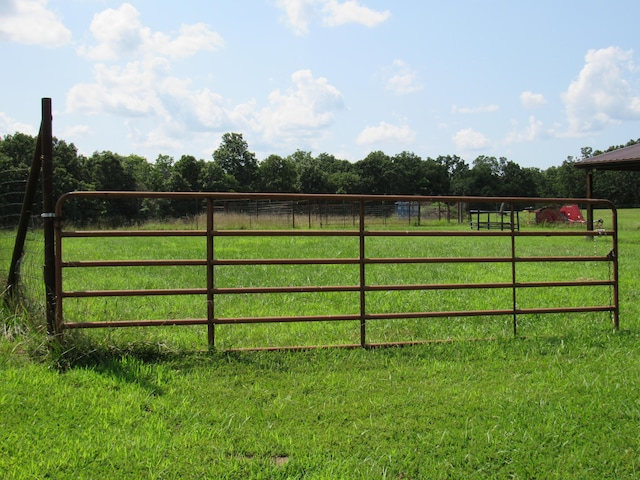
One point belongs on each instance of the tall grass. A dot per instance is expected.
(559, 402)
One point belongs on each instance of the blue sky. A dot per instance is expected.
(530, 81)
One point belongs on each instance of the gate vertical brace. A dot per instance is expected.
(363, 308)
(513, 272)
(48, 215)
(58, 266)
(211, 334)
(293, 213)
(614, 260)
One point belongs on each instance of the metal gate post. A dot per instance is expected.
(514, 292)
(614, 261)
(211, 334)
(363, 309)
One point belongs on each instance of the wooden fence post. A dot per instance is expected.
(48, 215)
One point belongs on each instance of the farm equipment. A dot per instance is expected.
(565, 214)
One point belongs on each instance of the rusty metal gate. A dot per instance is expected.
(363, 218)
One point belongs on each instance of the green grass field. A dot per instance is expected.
(560, 401)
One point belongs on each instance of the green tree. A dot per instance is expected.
(484, 177)
(330, 164)
(458, 173)
(214, 179)
(189, 170)
(235, 159)
(19, 148)
(408, 175)
(277, 174)
(109, 173)
(622, 188)
(12, 187)
(161, 173)
(515, 181)
(138, 168)
(569, 181)
(375, 173)
(344, 182)
(71, 173)
(16, 154)
(312, 178)
(437, 177)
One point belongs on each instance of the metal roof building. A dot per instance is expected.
(626, 158)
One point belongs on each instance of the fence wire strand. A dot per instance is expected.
(29, 291)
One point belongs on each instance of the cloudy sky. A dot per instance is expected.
(533, 81)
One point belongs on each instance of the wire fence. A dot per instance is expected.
(29, 287)
(249, 213)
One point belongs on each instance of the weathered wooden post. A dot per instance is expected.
(48, 215)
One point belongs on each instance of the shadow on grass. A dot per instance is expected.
(130, 361)
(77, 350)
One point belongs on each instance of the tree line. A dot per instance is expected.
(234, 168)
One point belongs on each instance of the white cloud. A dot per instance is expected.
(9, 125)
(386, 132)
(119, 33)
(531, 100)
(145, 89)
(128, 91)
(602, 94)
(302, 111)
(192, 39)
(144, 86)
(161, 137)
(340, 13)
(202, 110)
(481, 109)
(403, 79)
(76, 131)
(469, 139)
(32, 23)
(533, 131)
(298, 14)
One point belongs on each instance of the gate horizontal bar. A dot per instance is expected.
(322, 318)
(328, 288)
(134, 293)
(136, 323)
(477, 313)
(133, 263)
(329, 233)
(288, 261)
(132, 233)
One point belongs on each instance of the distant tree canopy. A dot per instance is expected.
(235, 168)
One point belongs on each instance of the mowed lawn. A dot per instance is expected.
(558, 401)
